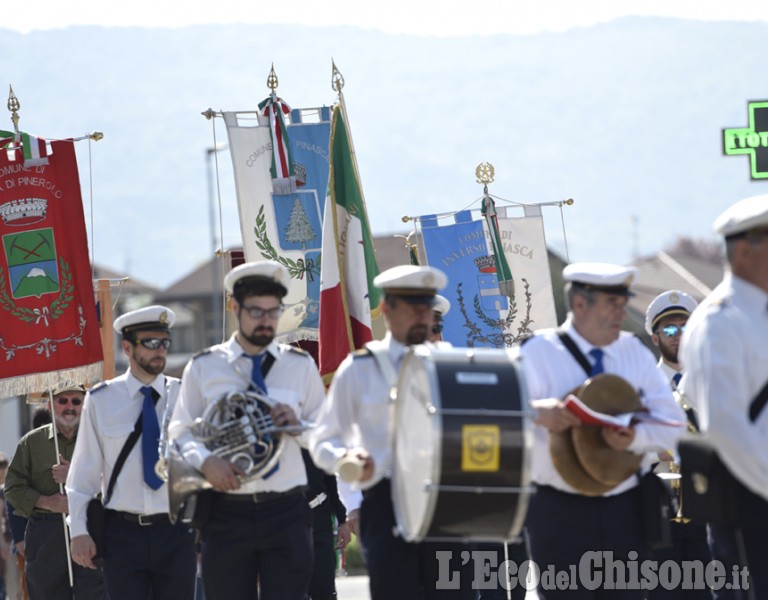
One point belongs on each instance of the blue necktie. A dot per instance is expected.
(256, 377)
(597, 355)
(258, 380)
(150, 437)
(676, 379)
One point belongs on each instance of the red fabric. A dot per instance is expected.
(334, 333)
(47, 308)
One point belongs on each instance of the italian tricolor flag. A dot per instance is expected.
(347, 295)
(34, 148)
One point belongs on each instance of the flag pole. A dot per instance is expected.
(61, 486)
(337, 83)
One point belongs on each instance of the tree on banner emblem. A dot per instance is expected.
(33, 272)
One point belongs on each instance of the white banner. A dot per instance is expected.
(284, 227)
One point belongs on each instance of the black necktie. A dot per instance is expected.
(150, 437)
(597, 367)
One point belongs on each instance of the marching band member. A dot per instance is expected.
(665, 321)
(563, 524)
(258, 530)
(355, 425)
(32, 487)
(144, 554)
(725, 356)
(441, 308)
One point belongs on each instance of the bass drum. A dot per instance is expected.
(462, 445)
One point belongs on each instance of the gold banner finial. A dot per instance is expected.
(337, 79)
(14, 105)
(272, 81)
(484, 173)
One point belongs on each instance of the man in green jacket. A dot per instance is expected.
(33, 485)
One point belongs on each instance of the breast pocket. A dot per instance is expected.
(114, 440)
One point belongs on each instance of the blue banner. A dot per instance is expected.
(478, 309)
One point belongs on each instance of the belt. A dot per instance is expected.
(45, 516)
(143, 520)
(258, 497)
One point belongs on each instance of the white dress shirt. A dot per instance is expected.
(725, 355)
(552, 373)
(293, 379)
(358, 413)
(668, 373)
(109, 414)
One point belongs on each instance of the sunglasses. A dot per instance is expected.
(154, 343)
(437, 328)
(63, 400)
(259, 313)
(672, 330)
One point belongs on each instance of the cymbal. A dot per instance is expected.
(609, 394)
(567, 463)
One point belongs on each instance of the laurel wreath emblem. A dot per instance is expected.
(297, 269)
(54, 310)
(500, 335)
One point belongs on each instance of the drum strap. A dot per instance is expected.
(574, 350)
(387, 369)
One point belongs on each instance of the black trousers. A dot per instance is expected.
(323, 584)
(257, 550)
(46, 571)
(399, 570)
(743, 549)
(517, 553)
(564, 528)
(148, 561)
(689, 543)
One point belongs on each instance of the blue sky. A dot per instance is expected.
(425, 17)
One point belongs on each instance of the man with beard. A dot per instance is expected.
(259, 529)
(355, 428)
(34, 478)
(665, 322)
(144, 554)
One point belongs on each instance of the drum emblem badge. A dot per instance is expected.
(480, 446)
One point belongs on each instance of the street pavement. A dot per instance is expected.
(355, 587)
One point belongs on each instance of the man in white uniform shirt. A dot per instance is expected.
(355, 424)
(259, 531)
(564, 524)
(725, 356)
(144, 554)
(665, 321)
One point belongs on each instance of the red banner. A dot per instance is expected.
(49, 331)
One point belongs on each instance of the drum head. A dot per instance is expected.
(417, 455)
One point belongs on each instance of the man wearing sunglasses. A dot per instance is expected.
(144, 554)
(32, 487)
(259, 530)
(665, 322)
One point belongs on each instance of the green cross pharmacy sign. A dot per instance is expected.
(751, 140)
